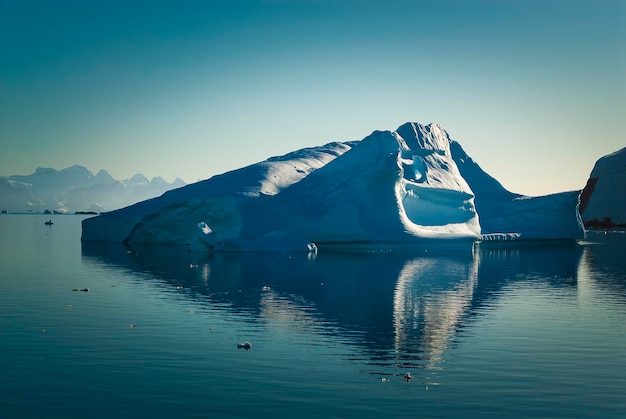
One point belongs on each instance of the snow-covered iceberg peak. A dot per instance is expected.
(434, 197)
(384, 192)
(425, 139)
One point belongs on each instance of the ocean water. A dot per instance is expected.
(515, 332)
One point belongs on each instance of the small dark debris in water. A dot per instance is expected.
(81, 289)
(407, 377)
(246, 345)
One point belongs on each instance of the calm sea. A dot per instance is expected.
(519, 332)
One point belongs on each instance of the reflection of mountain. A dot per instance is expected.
(400, 309)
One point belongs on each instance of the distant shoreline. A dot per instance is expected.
(5, 212)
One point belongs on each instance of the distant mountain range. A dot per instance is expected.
(76, 189)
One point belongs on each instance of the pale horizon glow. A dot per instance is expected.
(533, 91)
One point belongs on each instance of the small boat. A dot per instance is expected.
(49, 223)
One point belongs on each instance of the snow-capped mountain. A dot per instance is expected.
(410, 188)
(603, 201)
(76, 189)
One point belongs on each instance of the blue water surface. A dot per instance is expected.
(501, 332)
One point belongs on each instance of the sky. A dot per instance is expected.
(534, 91)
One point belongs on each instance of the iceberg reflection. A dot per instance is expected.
(431, 299)
(392, 309)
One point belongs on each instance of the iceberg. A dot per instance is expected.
(603, 200)
(413, 188)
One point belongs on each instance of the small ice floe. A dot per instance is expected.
(245, 345)
(407, 377)
(81, 289)
(265, 288)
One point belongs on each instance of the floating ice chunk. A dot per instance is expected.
(245, 345)
(500, 237)
(204, 227)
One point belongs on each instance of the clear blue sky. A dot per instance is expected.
(535, 91)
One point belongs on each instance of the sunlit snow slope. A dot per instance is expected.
(411, 188)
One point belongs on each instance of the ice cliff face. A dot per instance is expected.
(603, 201)
(411, 188)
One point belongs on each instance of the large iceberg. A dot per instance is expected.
(413, 188)
(603, 201)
